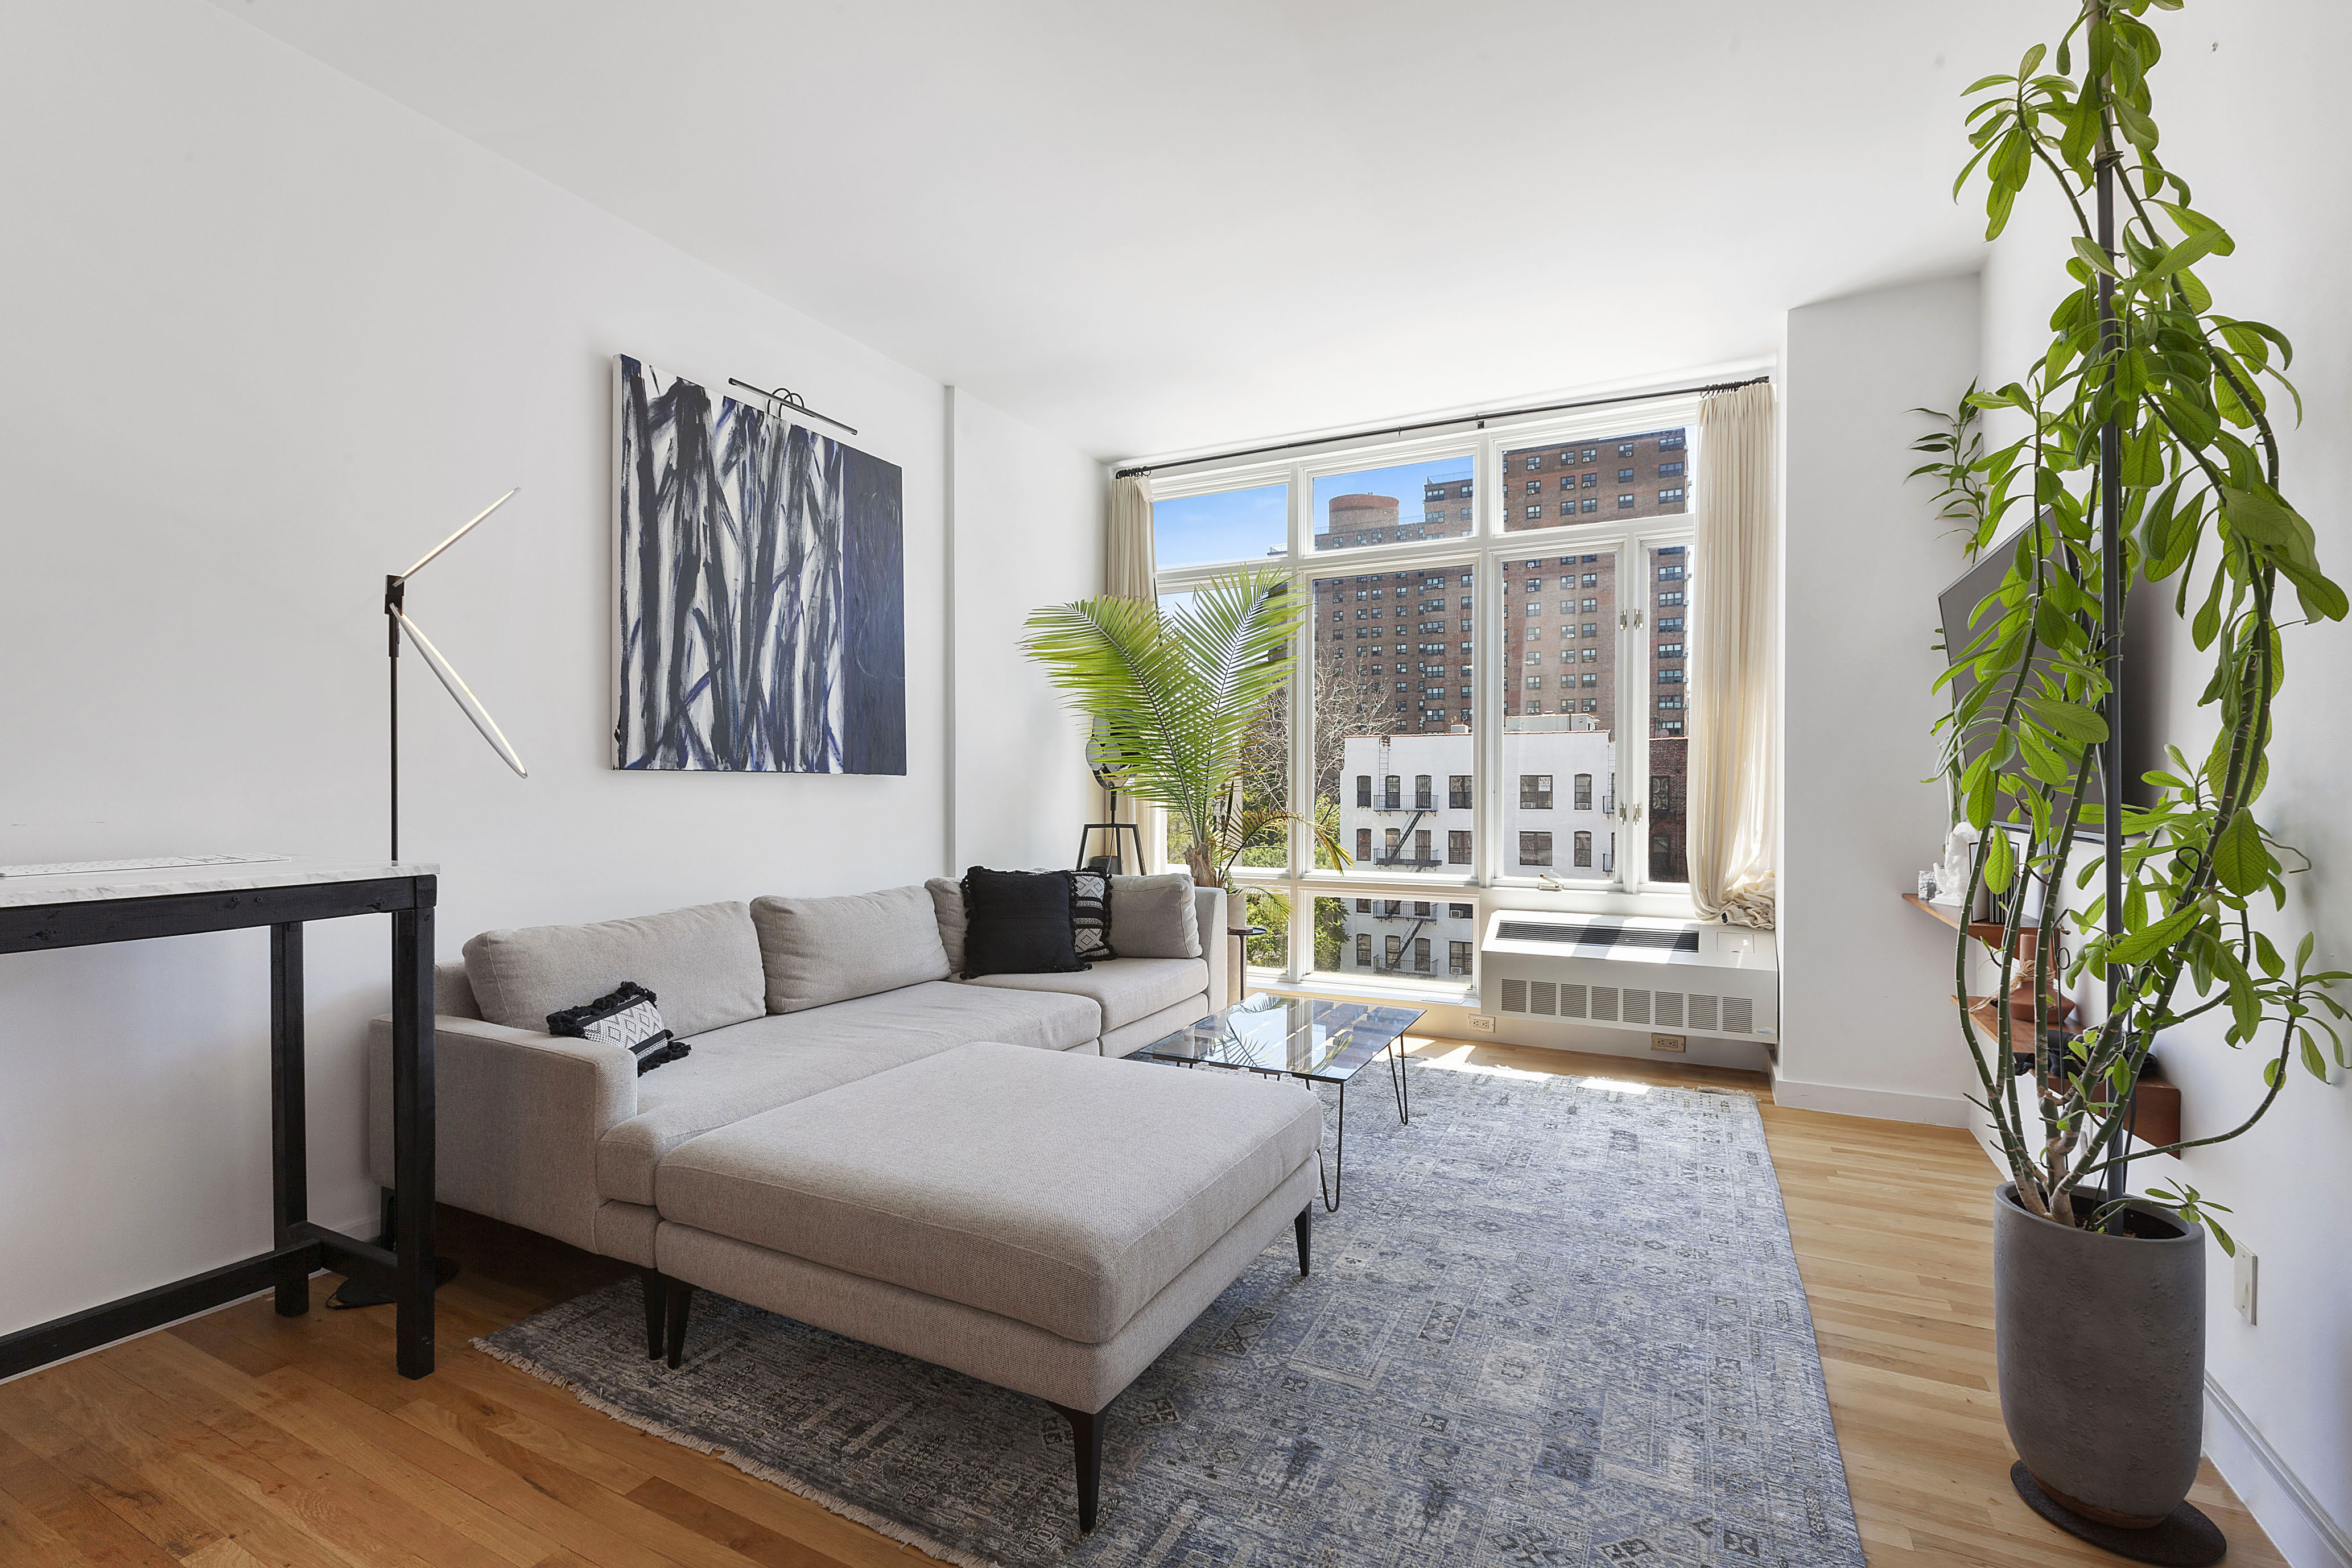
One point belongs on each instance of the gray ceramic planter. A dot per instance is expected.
(2101, 1342)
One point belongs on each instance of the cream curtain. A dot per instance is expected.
(1127, 564)
(1734, 776)
(1128, 568)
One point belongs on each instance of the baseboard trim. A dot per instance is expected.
(1879, 1104)
(2297, 1525)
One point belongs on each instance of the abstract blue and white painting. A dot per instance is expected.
(758, 589)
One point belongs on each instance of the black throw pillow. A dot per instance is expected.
(624, 1017)
(1018, 923)
(1090, 916)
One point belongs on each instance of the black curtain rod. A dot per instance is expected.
(1479, 420)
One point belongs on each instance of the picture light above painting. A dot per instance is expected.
(758, 589)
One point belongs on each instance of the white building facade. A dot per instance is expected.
(1406, 809)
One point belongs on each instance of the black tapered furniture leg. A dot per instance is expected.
(290, 1140)
(656, 1311)
(1304, 1225)
(677, 1296)
(1087, 1441)
(413, 1137)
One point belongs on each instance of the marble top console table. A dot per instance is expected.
(77, 909)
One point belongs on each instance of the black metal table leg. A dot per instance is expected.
(1339, 1158)
(412, 1132)
(1398, 1082)
(289, 1159)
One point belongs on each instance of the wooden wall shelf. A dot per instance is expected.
(1983, 930)
(2155, 1102)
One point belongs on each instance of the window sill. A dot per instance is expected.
(1345, 983)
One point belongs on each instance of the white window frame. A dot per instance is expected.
(1482, 550)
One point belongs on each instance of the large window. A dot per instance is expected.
(1490, 687)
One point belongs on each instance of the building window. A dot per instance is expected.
(1624, 476)
(1568, 508)
(1363, 950)
(1458, 958)
(1673, 443)
(1363, 789)
(1535, 849)
(1457, 846)
(1584, 792)
(1624, 501)
(1670, 623)
(1593, 504)
(1535, 486)
(1670, 701)
(1421, 847)
(1533, 464)
(1363, 844)
(1421, 955)
(1625, 449)
(1668, 498)
(1395, 946)
(1670, 650)
(1669, 677)
(1535, 683)
(1670, 599)
(1459, 912)
(1420, 800)
(1395, 845)
(1535, 704)
(1670, 726)
(1535, 792)
(1670, 574)
(1669, 470)
(1591, 481)
(1662, 794)
(1584, 849)
(1457, 792)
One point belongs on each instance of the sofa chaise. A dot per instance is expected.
(959, 1170)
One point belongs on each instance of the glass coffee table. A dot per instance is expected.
(1298, 1036)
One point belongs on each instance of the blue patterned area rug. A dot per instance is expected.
(1555, 1322)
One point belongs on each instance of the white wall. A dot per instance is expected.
(271, 335)
(1865, 1020)
(2248, 101)
(1022, 789)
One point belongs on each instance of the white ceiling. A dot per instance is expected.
(1158, 228)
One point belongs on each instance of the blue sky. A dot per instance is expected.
(1240, 525)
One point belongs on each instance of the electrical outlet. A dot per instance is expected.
(2241, 1286)
(1670, 1042)
(1481, 1022)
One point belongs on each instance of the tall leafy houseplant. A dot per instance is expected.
(1176, 697)
(2152, 452)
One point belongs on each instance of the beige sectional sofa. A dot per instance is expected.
(945, 1167)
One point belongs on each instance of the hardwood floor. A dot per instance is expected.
(241, 1438)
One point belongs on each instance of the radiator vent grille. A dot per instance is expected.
(1610, 1005)
(1600, 933)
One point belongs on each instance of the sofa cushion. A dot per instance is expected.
(946, 902)
(817, 950)
(1125, 989)
(703, 963)
(1153, 917)
(940, 1176)
(770, 1061)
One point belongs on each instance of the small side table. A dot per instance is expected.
(1241, 970)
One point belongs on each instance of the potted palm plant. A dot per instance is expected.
(1180, 700)
(2151, 453)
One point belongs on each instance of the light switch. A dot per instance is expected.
(2242, 1287)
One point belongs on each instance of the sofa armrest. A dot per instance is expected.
(518, 1115)
(1209, 911)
